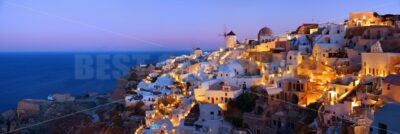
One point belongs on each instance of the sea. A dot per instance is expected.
(35, 75)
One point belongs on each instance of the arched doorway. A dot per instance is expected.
(295, 99)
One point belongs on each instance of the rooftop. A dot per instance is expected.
(274, 90)
(231, 33)
(390, 45)
(218, 86)
(393, 79)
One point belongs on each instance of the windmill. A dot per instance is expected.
(224, 34)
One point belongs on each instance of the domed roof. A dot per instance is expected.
(265, 31)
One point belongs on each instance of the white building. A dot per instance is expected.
(329, 41)
(274, 92)
(331, 33)
(210, 121)
(244, 82)
(343, 86)
(294, 57)
(230, 70)
(148, 98)
(303, 42)
(160, 126)
(197, 52)
(216, 92)
(322, 51)
(61, 97)
(333, 112)
(159, 85)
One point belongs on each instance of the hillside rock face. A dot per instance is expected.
(52, 117)
(119, 90)
(28, 108)
(130, 81)
(92, 113)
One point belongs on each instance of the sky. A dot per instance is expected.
(160, 25)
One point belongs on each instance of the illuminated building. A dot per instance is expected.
(307, 28)
(361, 19)
(231, 40)
(197, 52)
(380, 64)
(216, 92)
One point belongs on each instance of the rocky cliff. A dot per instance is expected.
(92, 113)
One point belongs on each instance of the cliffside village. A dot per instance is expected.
(319, 78)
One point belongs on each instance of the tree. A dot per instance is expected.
(136, 109)
(237, 122)
(139, 105)
(245, 102)
(260, 110)
(116, 117)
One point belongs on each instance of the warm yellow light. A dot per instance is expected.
(357, 82)
(354, 104)
(333, 96)
(288, 37)
(313, 30)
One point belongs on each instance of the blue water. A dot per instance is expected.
(36, 75)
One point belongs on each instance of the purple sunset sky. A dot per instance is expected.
(126, 25)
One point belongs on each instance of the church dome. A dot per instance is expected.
(265, 31)
(265, 35)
